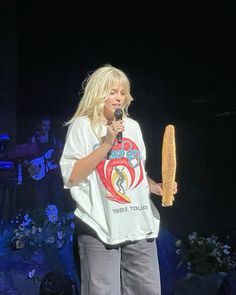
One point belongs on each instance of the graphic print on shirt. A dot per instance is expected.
(122, 172)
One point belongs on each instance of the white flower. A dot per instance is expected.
(60, 235)
(70, 215)
(178, 251)
(226, 251)
(192, 236)
(31, 274)
(34, 230)
(52, 213)
(50, 240)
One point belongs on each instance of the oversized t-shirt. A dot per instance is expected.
(114, 200)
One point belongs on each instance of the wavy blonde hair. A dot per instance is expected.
(95, 89)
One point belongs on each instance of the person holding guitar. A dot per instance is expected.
(44, 169)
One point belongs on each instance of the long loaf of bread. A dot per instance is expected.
(168, 165)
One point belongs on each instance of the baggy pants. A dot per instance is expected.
(127, 269)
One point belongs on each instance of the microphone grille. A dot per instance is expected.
(118, 114)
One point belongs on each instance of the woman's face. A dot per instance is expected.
(114, 100)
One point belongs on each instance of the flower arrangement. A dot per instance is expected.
(204, 255)
(44, 228)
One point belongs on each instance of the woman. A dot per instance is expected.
(118, 223)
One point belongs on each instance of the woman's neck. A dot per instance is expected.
(105, 121)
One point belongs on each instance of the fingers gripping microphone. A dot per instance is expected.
(118, 115)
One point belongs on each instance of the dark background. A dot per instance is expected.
(180, 58)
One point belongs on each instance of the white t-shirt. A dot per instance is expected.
(114, 200)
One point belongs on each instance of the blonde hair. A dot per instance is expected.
(96, 87)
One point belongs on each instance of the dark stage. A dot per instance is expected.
(180, 58)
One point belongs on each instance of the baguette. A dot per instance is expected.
(168, 165)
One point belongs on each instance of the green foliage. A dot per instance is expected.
(204, 255)
(42, 228)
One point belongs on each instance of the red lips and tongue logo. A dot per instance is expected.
(122, 172)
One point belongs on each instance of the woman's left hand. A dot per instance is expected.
(157, 188)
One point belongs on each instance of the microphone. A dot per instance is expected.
(118, 116)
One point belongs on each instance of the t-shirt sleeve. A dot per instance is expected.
(74, 149)
(141, 143)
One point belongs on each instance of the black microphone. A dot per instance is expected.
(118, 115)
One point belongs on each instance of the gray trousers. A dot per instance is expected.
(126, 269)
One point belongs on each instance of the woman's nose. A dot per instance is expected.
(118, 97)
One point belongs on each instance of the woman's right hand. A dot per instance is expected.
(113, 130)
